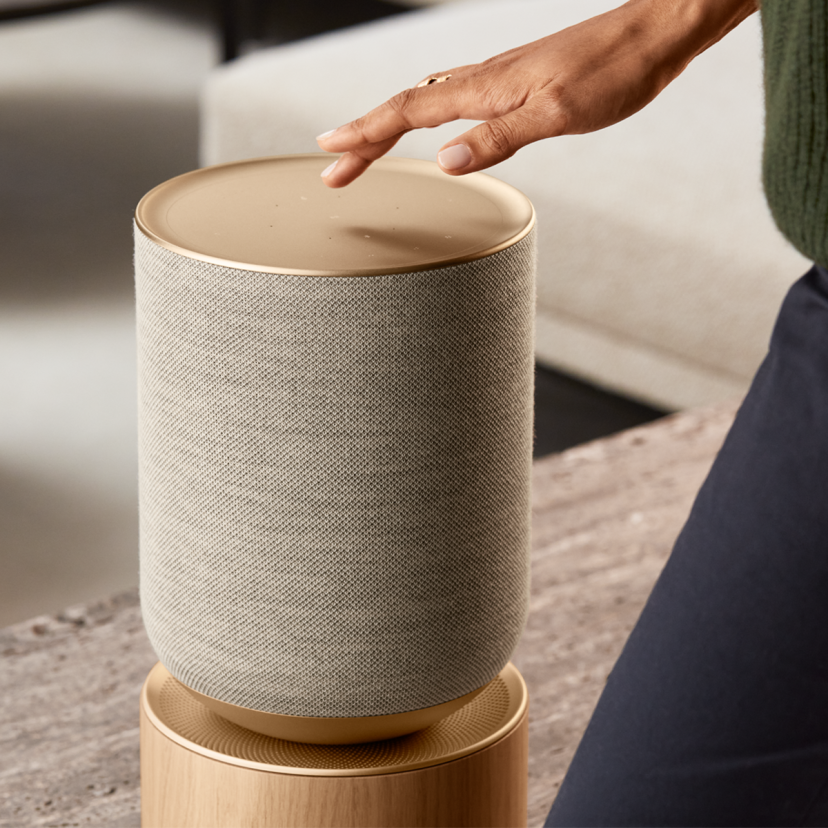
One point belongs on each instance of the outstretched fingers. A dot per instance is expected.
(420, 106)
(367, 138)
(350, 165)
(468, 96)
(500, 138)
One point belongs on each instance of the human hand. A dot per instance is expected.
(578, 80)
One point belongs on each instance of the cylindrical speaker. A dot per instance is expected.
(335, 435)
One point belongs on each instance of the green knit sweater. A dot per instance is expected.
(795, 167)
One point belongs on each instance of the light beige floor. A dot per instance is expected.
(96, 107)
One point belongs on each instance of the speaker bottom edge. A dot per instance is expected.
(323, 730)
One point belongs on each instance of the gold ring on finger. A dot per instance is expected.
(433, 79)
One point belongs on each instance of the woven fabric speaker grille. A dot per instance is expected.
(334, 479)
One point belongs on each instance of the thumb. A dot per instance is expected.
(500, 138)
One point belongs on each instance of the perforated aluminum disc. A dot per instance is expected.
(275, 215)
(483, 721)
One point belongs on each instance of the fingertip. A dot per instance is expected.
(342, 139)
(455, 158)
(335, 182)
(324, 140)
(333, 179)
(344, 170)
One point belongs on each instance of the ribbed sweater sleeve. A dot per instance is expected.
(795, 165)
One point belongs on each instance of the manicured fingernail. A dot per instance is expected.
(325, 135)
(454, 158)
(329, 169)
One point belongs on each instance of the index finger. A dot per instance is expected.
(425, 106)
(350, 165)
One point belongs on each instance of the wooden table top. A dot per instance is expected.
(605, 516)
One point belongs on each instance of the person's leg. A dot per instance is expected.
(716, 712)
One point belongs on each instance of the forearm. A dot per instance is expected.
(689, 27)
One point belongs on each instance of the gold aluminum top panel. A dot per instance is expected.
(276, 215)
(486, 718)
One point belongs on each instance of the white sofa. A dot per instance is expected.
(660, 269)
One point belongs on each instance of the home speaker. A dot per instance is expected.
(335, 438)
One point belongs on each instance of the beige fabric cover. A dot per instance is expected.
(334, 479)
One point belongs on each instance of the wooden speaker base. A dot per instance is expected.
(201, 771)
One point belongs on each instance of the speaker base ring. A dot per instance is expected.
(186, 785)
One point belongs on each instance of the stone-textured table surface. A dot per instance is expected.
(605, 517)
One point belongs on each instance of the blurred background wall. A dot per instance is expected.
(97, 105)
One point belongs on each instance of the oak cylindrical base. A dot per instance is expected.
(200, 771)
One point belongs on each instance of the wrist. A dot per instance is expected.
(692, 26)
(665, 35)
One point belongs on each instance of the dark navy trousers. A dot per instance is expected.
(716, 712)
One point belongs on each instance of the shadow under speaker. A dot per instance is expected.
(335, 440)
